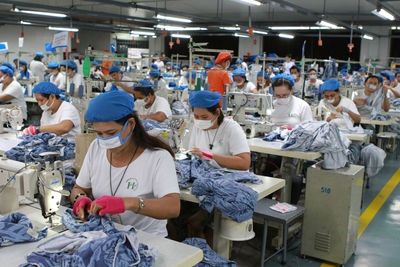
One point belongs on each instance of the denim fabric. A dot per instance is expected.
(277, 134)
(380, 117)
(150, 124)
(190, 170)
(355, 153)
(373, 158)
(211, 258)
(233, 199)
(179, 108)
(17, 228)
(323, 137)
(330, 70)
(395, 103)
(95, 223)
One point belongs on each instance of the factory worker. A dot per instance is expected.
(185, 68)
(63, 67)
(37, 67)
(116, 75)
(343, 111)
(16, 63)
(73, 78)
(396, 82)
(391, 83)
(95, 72)
(56, 77)
(11, 90)
(313, 84)
(298, 81)
(288, 64)
(176, 71)
(148, 105)
(270, 72)
(160, 85)
(159, 63)
(23, 73)
(58, 117)
(363, 72)
(373, 98)
(289, 110)
(168, 68)
(8, 65)
(197, 65)
(263, 85)
(126, 173)
(241, 84)
(214, 136)
(218, 77)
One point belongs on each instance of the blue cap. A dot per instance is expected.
(260, 74)
(250, 66)
(284, 76)
(177, 67)
(238, 61)
(155, 73)
(397, 72)
(207, 67)
(15, 60)
(172, 84)
(94, 63)
(197, 61)
(155, 66)
(63, 63)
(144, 83)
(9, 65)
(39, 54)
(204, 99)
(330, 85)
(234, 67)
(185, 65)
(46, 88)
(362, 69)
(110, 106)
(71, 64)
(239, 72)
(193, 74)
(114, 69)
(118, 63)
(53, 64)
(23, 62)
(7, 70)
(169, 63)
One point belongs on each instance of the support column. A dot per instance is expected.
(157, 45)
(247, 45)
(377, 49)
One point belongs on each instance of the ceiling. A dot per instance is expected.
(124, 15)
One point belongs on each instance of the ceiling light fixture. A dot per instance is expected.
(173, 18)
(260, 32)
(40, 13)
(230, 28)
(178, 28)
(367, 37)
(287, 36)
(251, 2)
(383, 14)
(241, 35)
(25, 22)
(63, 29)
(143, 33)
(324, 23)
(184, 36)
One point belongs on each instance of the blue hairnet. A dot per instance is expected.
(397, 72)
(284, 76)
(155, 73)
(9, 65)
(193, 74)
(238, 61)
(260, 74)
(172, 84)
(110, 106)
(185, 65)
(7, 70)
(204, 99)
(53, 64)
(169, 63)
(114, 69)
(362, 69)
(154, 66)
(46, 88)
(207, 67)
(71, 64)
(239, 72)
(94, 63)
(23, 62)
(197, 61)
(176, 67)
(144, 83)
(118, 63)
(39, 54)
(250, 66)
(63, 63)
(15, 60)
(330, 85)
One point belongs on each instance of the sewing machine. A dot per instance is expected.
(242, 103)
(11, 114)
(29, 84)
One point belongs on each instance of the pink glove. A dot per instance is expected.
(206, 154)
(30, 130)
(82, 202)
(110, 205)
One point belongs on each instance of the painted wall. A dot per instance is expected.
(246, 45)
(377, 49)
(98, 39)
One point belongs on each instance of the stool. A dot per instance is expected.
(389, 141)
(263, 210)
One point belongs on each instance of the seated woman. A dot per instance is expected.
(23, 72)
(263, 85)
(289, 110)
(58, 117)
(148, 105)
(343, 111)
(11, 90)
(241, 84)
(126, 172)
(214, 136)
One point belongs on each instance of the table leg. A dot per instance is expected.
(220, 245)
(380, 129)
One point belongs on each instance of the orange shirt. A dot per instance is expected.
(217, 79)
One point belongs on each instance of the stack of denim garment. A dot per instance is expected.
(373, 158)
(179, 108)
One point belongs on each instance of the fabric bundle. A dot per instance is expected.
(179, 108)
(373, 158)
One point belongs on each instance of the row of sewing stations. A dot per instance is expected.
(172, 253)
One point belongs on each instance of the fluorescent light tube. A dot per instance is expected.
(143, 33)
(173, 18)
(25, 22)
(184, 36)
(63, 29)
(383, 14)
(368, 37)
(230, 28)
(287, 36)
(325, 23)
(251, 2)
(261, 32)
(177, 28)
(40, 13)
(241, 35)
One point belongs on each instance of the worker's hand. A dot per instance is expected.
(339, 109)
(360, 101)
(333, 116)
(117, 84)
(286, 127)
(30, 130)
(107, 205)
(385, 88)
(82, 207)
(394, 83)
(202, 153)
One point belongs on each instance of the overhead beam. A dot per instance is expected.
(386, 5)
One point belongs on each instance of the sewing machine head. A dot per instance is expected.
(13, 115)
(254, 103)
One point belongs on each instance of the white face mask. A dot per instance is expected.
(294, 76)
(45, 107)
(261, 84)
(141, 101)
(372, 87)
(2, 79)
(240, 83)
(203, 124)
(113, 141)
(313, 76)
(330, 101)
(283, 101)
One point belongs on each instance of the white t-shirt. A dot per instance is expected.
(58, 80)
(344, 102)
(298, 87)
(294, 113)
(66, 111)
(151, 175)
(248, 87)
(317, 84)
(17, 91)
(160, 104)
(287, 66)
(77, 80)
(18, 76)
(38, 69)
(124, 78)
(162, 89)
(228, 139)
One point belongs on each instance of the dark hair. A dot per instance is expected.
(214, 109)
(373, 76)
(281, 81)
(48, 96)
(266, 80)
(37, 58)
(385, 76)
(144, 90)
(142, 138)
(312, 69)
(295, 68)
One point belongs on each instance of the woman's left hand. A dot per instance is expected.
(107, 205)
(196, 151)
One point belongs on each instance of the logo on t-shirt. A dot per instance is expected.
(132, 184)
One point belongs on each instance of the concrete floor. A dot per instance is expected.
(377, 246)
